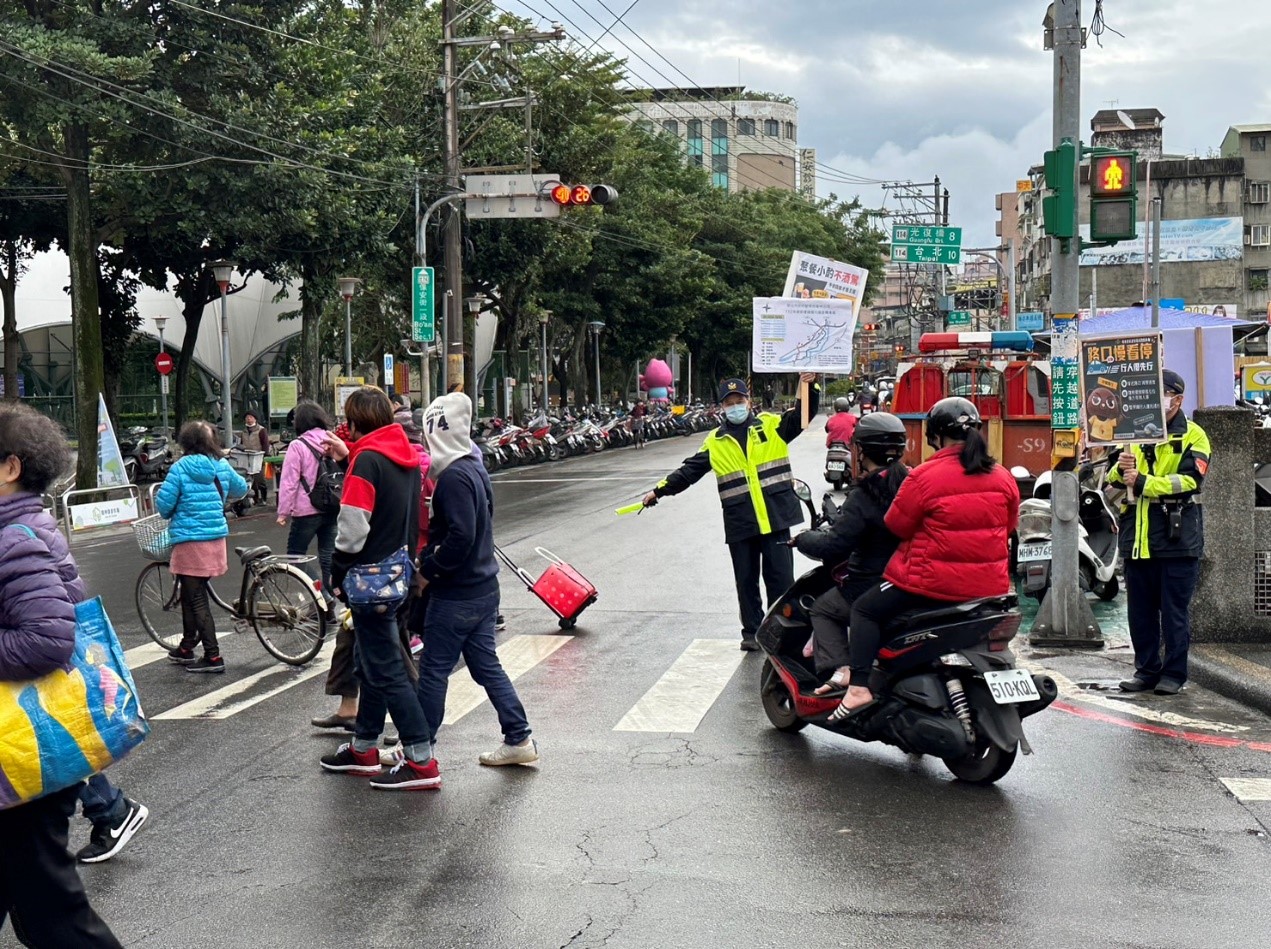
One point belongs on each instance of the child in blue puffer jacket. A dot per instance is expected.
(193, 497)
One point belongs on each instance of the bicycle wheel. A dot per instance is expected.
(287, 613)
(159, 605)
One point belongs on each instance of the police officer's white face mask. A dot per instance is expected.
(737, 413)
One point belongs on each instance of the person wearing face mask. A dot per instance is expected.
(1162, 535)
(750, 455)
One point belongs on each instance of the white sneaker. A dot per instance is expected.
(390, 756)
(524, 753)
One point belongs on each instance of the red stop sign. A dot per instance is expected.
(163, 362)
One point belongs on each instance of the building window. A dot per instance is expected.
(719, 171)
(1259, 235)
(645, 126)
(1258, 192)
(1257, 143)
(719, 131)
(790, 130)
(1257, 279)
(745, 126)
(671, 127)
(695, 145)
(772, 127)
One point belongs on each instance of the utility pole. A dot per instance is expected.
(1156, 263)
(453, 238)
(1065, 618)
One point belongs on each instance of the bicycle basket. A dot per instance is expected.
(153, 537)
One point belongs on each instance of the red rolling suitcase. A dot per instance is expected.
(565, 591)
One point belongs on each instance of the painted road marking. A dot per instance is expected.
(518, 656)
(679, 700)
(1249, 789)
(1128, 707)
(221, 703)
(143, 655)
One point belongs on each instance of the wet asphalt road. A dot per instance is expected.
(730, 834)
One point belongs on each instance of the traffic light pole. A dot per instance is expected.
(1065, 618)
(453, 237)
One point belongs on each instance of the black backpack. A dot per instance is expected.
(327, 487)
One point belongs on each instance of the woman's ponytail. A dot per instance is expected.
(975, 455)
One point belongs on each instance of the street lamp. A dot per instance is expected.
(474, 304)
(159, 323)
(596, 327)
(348, 286)
(222, 270)
(543, 318)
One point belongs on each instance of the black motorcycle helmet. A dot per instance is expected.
(880, 437)
(841, 404)
(952, 418)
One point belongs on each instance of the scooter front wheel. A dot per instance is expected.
(778, 703)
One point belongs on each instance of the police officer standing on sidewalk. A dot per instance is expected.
(1162, 537)
(750, 455)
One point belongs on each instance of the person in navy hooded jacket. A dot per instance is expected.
(39, 587)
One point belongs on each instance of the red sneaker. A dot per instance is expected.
(406, 775)
(349, 761)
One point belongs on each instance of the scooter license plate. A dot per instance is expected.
(1040, 551)
(836, 466)
(1009, 686)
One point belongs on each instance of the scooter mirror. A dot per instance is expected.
(802, 491)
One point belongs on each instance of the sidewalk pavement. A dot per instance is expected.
(1237, 671)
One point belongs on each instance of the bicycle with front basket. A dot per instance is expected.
(276, 598)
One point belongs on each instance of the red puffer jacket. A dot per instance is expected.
(954, 530)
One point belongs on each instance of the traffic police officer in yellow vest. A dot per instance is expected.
(1162, 535)
(750, 456)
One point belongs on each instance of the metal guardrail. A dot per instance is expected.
(67, 526)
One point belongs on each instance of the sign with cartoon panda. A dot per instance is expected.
(1122, 397)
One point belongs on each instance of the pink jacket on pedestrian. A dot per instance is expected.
(300, 462)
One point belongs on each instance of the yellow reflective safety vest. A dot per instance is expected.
(1166, 518)
(756, 486)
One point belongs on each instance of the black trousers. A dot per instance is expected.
(768, 556)
(197, 623)
(341, 680)
(831, 612)
(1158, 594)
(872, 611)
(39, 885)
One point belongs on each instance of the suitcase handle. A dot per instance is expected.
(549, 556)
(511, 565)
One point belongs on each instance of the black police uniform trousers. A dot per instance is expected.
(40, 888)
(1158, 594)
(766, 555)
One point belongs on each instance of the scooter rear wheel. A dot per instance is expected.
(986, 764)
(778, 703)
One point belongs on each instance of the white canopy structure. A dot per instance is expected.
(255, 327)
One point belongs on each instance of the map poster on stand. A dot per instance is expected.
(796, 335)
(819, 278)
(1122, 392)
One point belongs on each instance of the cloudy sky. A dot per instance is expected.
(910, 89)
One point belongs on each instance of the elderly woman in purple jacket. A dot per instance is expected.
(39, 587)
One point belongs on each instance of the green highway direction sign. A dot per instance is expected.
(422, 306)
(958, 318)
(926, 245)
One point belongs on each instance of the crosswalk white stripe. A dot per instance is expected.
(679, 700)
(144, 655)
(218, 704)
(518, 656)
(1249, 789)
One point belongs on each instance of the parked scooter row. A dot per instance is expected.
(1098, 553)
(504, 444)
(147, 454)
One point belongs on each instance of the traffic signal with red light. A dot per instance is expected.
(869, 327)
(582, 195)
(1113, 196)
